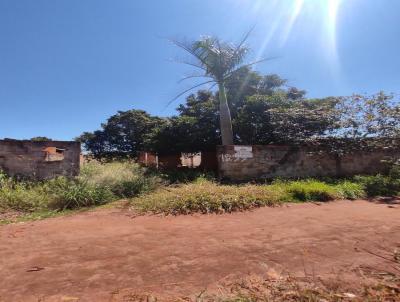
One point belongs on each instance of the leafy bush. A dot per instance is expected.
(379, 185)
(307, 190)
(350, 190)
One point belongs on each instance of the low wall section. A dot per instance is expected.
(241, 163)
(40, 160)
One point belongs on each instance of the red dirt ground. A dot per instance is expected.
(94, 256)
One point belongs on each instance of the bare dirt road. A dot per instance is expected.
(96, 255)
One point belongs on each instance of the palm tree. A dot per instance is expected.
(217, 60)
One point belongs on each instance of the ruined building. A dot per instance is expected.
(39, 160)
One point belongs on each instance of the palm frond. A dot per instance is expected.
(187, 90)
(246, 36)
(249, 65)
(190, 64)
(192, 77)
(191, 50)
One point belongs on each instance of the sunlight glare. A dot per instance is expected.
(333, 8)
(295, 12)
(282, 20)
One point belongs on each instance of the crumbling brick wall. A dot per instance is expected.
(39, 160)
(239, 163)
(203, 160)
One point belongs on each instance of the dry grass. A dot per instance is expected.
(279, 289)
(206, 196)
(378, 287)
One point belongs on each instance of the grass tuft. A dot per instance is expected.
(306, 190)
(206, 197)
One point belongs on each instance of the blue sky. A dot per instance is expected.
(67, 65)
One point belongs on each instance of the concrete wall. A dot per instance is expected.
(40, 160)
(240, 163)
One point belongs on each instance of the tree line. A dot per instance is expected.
(247, 108)
(264, 110)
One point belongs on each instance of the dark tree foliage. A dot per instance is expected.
(363, 116)
(341, 125)
(97, 144)
(40, 139)
(124, 134)
(195, 129)
(246, 82)
(266, 119)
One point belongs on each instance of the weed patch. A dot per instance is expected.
(97, 184)
(306, 190)
(379, 185)
(206, 197)
(178, 192)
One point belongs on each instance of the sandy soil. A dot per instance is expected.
(95, 256)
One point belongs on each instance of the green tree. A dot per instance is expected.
(266, 119)
(194, 129)
(246, 82)
(40, 139)
(375, 115)
(97, 144)
(124, 134)
(218, 61)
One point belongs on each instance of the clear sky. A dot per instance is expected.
(67, 65)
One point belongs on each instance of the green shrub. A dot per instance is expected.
(307, 190)
(350, 190)
(379, 185)
(394, 172)
(3, 178)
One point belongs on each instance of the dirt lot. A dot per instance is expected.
(96, 256)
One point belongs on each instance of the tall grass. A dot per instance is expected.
(316, 190)
(206, 197)
(209, 197)
(21, 196)
(193, 192)
(124, 179)
(97, 184)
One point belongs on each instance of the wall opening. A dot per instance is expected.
(191, 160)
(53, 154)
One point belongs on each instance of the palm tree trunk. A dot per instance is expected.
(225, 117)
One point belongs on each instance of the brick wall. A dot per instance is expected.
(205, 161)
(254, 162)
(147, 159)
(40, 160)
